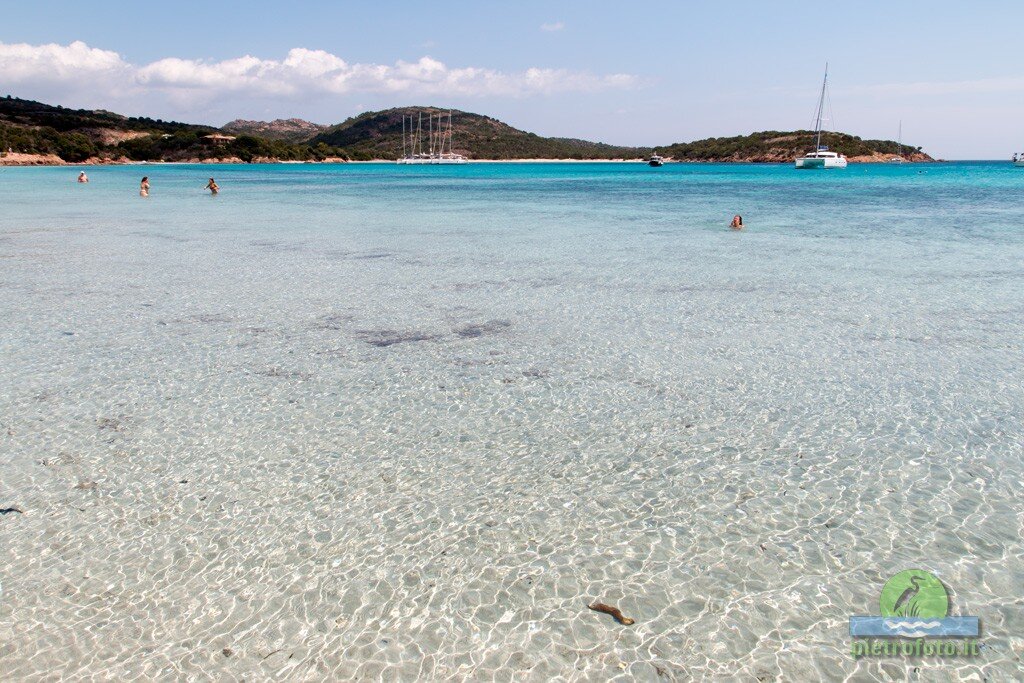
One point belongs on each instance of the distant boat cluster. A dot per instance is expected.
(438, 140)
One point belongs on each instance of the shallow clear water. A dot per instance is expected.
(402, 422)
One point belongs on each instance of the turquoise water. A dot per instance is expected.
(378, 420)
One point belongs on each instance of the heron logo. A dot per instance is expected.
(914, 605)
(914, 593)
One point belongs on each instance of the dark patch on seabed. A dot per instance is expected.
(285, 374)
(159, 236)
(468, 286)
(204, 318)
(335, 321)
(114, 424)
(474, 330)
(273, 245)
(385, 338)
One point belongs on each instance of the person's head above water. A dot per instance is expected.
(737, 221)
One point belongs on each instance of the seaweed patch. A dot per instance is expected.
(474, 330)
(385, 338)
(615, 612)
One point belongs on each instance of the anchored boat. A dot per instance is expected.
(898, 159)
(821, 157)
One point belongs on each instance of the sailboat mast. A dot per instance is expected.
(821, 108)
(451, 150)
(899, 140)
(404, 155)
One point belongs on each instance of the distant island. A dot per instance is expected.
(36, 133)
(772, 146)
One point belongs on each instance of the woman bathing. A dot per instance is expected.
(144, 187)
(212, 186)
(82, 178)
(737, 222)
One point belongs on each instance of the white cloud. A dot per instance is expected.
(20, 61)
(552, 26)
(303, 72)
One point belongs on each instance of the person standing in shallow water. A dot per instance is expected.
(144, 187)
(212, 186)
(82, 178)
(737, 222)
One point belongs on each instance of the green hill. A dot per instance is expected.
(73, 134)
(378, 135)
(778, 146)
(77, 135)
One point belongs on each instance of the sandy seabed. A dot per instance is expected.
(284, 436)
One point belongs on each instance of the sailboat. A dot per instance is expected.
(438, 141)
(1018, 161)
(898, 159)
(821, 157)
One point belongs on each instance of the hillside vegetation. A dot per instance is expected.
(73, 134)
(77, 135)
(288, 130)
(378, 135)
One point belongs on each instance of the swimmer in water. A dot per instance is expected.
(144, 187)
(82, 178)
(212, 186)
(737, 222)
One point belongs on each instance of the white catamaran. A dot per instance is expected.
(821, 157)
(437, 142)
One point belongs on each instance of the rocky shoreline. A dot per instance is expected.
(876, 158)
(16, 159)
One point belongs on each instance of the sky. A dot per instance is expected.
(630, 73)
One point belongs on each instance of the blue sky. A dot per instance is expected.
(628, 73)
